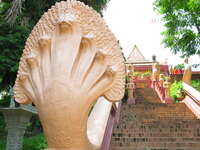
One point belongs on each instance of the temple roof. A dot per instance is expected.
(136, 56)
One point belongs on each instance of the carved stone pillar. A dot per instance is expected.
(131, 98)
(70, 59)
(130, 86)
(166, 86)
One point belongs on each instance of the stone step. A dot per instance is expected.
(152, 125)
(157, 139)
(156, 145)
(153, 148)
(146, 95)
(176, 111)
(160, 134)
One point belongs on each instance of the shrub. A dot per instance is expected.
(146, 74)
(136, 74)
(30, 143)
(2, 143)
(4, 99)
(196, 84)
(179, 66)
(2, 126)
(37, 142)
(176, 87)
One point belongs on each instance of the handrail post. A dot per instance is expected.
(131, 95)
(166, 86)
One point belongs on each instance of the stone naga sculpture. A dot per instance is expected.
(70, 59)
(155, 71)
(187, 73)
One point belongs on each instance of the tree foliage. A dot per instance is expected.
(182, 25)
(17, 18)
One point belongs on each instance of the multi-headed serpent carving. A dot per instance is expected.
(70, 59)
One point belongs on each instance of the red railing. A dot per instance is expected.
(163, 68)
(192, 99)
(112, 120)
(160, 90)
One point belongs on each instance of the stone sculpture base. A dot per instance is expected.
(16, 122)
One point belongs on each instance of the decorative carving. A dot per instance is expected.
(70, 59)
(187, 73)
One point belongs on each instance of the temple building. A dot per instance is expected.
(139, 63)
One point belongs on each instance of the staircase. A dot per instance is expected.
(152, 125)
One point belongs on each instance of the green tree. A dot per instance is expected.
(182, 25)
(17, 18)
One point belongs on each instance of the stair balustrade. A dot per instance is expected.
(162, 91)
(112, 120)
(192, 99)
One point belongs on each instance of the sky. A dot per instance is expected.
(135, 22)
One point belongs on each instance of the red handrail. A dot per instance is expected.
(112, 120)
(161, 92)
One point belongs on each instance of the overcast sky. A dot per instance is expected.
(135, 22)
